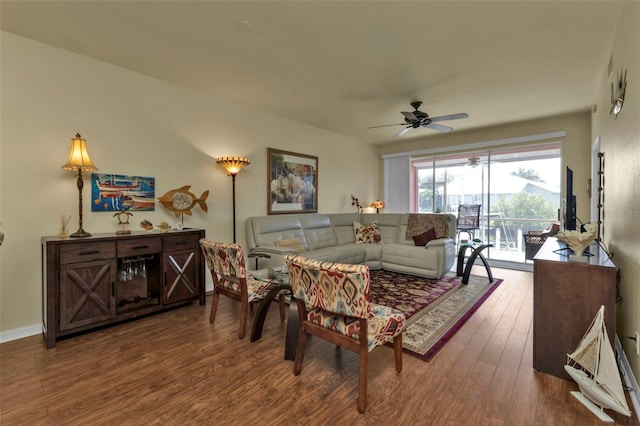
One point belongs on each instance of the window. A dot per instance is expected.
(518, 188)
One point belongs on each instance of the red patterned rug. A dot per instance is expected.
(435, 309)
(413, 296)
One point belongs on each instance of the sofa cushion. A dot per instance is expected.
(269, 229)
(367, 233)
(425, 237)
(343, 226)
(389, 224)
(318, 231)
(293, 243)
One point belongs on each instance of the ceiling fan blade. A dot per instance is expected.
(439, 127)
(450, 117)
(409, 115)
(403, 131)
(387, 125)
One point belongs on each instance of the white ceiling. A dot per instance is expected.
(347, 65)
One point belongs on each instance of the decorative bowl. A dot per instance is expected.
(576, 240)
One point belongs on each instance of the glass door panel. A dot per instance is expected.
(518, 189)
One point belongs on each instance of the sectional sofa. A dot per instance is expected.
(390, 241)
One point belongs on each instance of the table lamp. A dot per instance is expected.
(79, 161)
(377, 205)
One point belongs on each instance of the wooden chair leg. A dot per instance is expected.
(362, 392)
(302, 345)
(244, 313)
(397, 352)
(214, 306)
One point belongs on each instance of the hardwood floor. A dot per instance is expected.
(176, 368)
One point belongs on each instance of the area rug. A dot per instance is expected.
(426, 336)
(435, 309)
(414, 296)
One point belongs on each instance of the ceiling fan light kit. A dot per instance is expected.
(417, 118)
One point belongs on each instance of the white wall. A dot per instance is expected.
(142, 126)
(620, 143)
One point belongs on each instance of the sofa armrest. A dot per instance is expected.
(439, 242)
(267, 251)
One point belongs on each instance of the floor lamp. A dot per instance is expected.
(79, 161)
(233, 165)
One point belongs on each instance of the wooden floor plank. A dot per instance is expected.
(177, 368)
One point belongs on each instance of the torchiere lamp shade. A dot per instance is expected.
(233, 165)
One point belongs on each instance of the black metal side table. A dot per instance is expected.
(464, 269)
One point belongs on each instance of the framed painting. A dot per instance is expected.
(292, 184)
(112, 193)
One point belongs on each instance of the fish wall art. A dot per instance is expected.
(181, 201)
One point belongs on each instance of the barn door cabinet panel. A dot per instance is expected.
(104, 279)
(182, 268)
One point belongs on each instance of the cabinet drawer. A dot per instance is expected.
(139, 247)
(176, 242)
(85, 252)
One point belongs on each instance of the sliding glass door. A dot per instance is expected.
(518, 189)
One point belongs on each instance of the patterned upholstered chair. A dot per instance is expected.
(334, 304)
(230, 278)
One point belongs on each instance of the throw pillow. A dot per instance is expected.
(425, 237)
(293, 243)
(367, 233)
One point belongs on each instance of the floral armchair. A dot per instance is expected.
(230, 278)
(334, 304)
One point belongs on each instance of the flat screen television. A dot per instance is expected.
(570, 203)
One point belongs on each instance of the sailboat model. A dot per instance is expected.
(593, 366)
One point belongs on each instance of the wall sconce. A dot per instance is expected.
(79, 161)
(233, 165)
(377, 205)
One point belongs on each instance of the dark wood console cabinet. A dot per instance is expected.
(566, 297)
(96, 281)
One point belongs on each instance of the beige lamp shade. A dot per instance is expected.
(79, 157)
(233, 165)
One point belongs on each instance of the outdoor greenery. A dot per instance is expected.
(524, 205)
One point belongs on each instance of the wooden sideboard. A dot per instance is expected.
(566, 297)
(107, 278)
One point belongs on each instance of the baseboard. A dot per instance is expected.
(629, 379)
(32, 330)
(19, 333)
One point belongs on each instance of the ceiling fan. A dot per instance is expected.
(417, 118)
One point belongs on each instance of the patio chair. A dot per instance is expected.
(533, 240)
(334, 304)
(468, 220)
(230, 278)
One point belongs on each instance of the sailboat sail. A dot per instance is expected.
(602, 385)
(608, 376)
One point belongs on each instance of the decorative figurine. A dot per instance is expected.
(146, 225)
(164, 226)
(122, 222)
